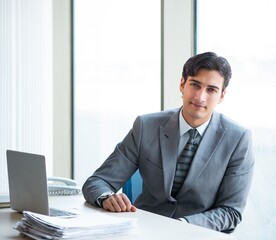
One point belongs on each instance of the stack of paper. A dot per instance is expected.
(39, 226)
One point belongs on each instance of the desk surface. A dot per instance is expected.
(150, 226)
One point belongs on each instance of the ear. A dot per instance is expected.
(182, 83)
(222, 96)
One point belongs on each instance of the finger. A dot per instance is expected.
(117, 203)
(114, 203)
(123, 202)
(130, 207)
(133, 208)
(126, 202)
(107, 205)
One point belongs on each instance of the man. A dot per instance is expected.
(205, 184)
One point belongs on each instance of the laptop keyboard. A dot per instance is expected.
(61, 213)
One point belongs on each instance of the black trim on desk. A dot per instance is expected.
(162, 57)
(72, 88)
(195, 27)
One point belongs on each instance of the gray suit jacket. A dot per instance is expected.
(216, 188)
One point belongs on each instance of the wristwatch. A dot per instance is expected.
(103, 197)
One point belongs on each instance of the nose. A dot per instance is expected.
(201, 95)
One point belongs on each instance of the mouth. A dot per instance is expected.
(198, 105)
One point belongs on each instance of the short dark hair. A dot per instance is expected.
(209, 61)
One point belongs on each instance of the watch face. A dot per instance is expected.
(102, 198)
(105, 197)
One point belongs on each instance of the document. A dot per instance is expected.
(38, 226)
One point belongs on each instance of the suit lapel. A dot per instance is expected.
(169, 138)
(206, 148)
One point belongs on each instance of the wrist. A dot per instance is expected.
(103, 197)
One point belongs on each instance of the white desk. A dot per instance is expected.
(150, 226)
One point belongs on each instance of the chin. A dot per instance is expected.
(198, 117)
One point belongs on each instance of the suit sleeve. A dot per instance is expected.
(117, 168)
(232, 195)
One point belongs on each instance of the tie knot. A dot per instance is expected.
(194, 136)
(193, 133)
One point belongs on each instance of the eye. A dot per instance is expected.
(194, 84)
(212, 90)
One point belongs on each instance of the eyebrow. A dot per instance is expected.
(198, 82)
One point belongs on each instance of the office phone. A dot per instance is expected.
(58, 186)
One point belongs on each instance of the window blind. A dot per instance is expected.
(25, 80)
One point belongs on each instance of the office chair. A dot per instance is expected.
(133, 186)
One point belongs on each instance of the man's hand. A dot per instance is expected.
(118, 203)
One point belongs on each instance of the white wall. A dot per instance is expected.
(62, 88)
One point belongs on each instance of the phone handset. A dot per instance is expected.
(62, 186)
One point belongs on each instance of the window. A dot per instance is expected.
(242, 31)
(116, 74)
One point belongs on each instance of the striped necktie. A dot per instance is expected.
(185, 160)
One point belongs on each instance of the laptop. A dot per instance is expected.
(28, 184)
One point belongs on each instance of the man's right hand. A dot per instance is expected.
(118, 203)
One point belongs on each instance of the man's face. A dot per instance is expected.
(201, 94)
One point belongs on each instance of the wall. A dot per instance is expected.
(62, 88)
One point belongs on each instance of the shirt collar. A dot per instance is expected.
(185, 127)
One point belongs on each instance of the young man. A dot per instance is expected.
(200, 176)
